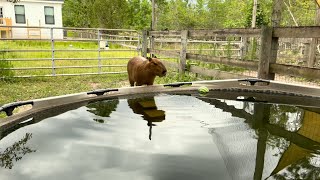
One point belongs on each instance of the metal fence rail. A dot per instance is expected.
(43, 51)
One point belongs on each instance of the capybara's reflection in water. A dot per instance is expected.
(148, 109)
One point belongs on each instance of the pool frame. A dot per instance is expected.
(252, 90)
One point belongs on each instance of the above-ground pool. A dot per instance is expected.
(235, 131)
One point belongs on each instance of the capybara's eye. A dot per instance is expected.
(154, 63)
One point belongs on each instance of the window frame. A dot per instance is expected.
(22, 15)
(48, 16)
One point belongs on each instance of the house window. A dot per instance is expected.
(49, 14)
(1, 12)
(20, 14)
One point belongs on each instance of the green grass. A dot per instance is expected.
(22, 89)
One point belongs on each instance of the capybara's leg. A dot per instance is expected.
(131, 82)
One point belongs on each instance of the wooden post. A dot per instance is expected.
(261, 118)
(314, 42)
(276, 18)
(144, 43)
(151, 43)
(265, 53)
(183, 52)
(312, 52)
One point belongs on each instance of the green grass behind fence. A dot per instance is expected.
(66, 62)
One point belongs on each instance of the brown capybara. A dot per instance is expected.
(142, 71)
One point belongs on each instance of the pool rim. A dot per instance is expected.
(227, 89)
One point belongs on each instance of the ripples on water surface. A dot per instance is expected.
(167, 137)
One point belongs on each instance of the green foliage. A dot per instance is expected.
(111, 13)
(3, 65)
(180, 14)
(15, 152)
(103, 108)
(303, 12)
(252, 50)
(79, 13)
(228, 47)
(261, 16)
(139, 14)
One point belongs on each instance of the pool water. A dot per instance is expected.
(167, 137)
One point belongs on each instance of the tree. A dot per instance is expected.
(261, 16)
(79, 13)
(111, 14)
(139, 14)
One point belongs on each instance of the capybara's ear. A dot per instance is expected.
(155, 56)
(149, 58)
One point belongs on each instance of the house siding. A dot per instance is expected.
(34, 14)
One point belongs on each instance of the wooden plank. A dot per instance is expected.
(252, 65)
(297, 71)
(215, 73)
(223, 32)
(312, 52)
(297, 32)
(165, 33)
(144, 48)
(169, 64)
(167, 53)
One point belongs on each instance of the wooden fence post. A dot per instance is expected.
(314, 42)
(144, 43)
(312, 52)
(265, 53)
(275, 21)
(183, 51)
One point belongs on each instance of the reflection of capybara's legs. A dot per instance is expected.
(148, 109)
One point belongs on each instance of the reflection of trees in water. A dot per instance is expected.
(278, 143)
(15, 152)
(277, 127)
(103, 108)
(303, 169)
(288, 117)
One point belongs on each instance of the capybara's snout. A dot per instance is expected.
(164, 72)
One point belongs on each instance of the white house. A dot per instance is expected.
(31, 13)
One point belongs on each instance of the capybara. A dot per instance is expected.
(142, 71)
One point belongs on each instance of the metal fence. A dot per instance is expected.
(44, 51)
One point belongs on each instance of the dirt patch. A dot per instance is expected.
(95, 85)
